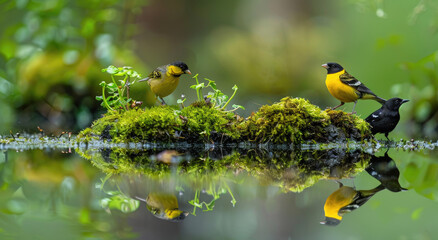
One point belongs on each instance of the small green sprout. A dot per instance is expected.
(122, 78)
(216, 96)
(181, 100)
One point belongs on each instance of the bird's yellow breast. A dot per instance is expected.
(337, 200)
(164, 86)
(340, 90)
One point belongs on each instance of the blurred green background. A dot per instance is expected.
(52, 53)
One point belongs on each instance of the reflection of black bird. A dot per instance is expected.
(345, 200)
(384, 169)
(386, 118)
(164, 206)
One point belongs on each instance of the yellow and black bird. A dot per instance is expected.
(345, 200)
(386, 118)
(386, 172)
(164, 80)
(345, 87)
(164, 206)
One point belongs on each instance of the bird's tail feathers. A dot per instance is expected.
(144, 79)
(380, 100)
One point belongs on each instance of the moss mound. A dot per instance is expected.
(164, 124)
(291, 121)
(296, 120)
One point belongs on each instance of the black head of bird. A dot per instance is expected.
(394, 104)
(332, 67)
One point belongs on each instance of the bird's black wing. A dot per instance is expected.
(360, 199)
(351, 81)
(375, 116)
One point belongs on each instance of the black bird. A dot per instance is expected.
(385, 170)
(386, 118)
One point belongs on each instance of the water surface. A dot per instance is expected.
(238, 192)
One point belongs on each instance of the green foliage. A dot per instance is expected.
(423, 89)
(217, 98)
(117, 88)
(119, 201)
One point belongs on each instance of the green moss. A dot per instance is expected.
(164, 124)
(352, 126)
(292, 121)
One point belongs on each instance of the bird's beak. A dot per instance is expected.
(405, 101)
(144, 79)
(187, 71)
(325, 66)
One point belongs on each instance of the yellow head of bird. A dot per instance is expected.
(178, 68)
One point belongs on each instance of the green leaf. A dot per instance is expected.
(238, 106)
(111, 69)
(235, 88)
(99, 98)
(102, 84)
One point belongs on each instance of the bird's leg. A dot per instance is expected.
(386, 135)
(354, 106)
(339, 182)
(342, 103)
(163, 103)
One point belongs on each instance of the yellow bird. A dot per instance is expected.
(164, 206)
(345, 200)
(164, 80)
(345, 87)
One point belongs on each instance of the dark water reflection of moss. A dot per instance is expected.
(290, 170)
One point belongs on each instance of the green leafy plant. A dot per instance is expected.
(215, 96)
(215, 193)
(122, 78)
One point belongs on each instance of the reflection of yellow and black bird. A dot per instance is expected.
(386, 118)
(164, 206)
(345, 87)
(345, 200)
(384, 169)
(164, 80)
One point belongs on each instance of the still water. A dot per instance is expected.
(205, 192)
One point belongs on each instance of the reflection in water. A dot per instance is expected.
(292, 171)
(345, 200)
(384, 169)
(173, 183)
(164, 206)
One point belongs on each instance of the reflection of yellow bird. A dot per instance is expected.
(345, 87)
(164, 206)
(164, 80)
(345, 200)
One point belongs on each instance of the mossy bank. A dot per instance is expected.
(291, 121)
